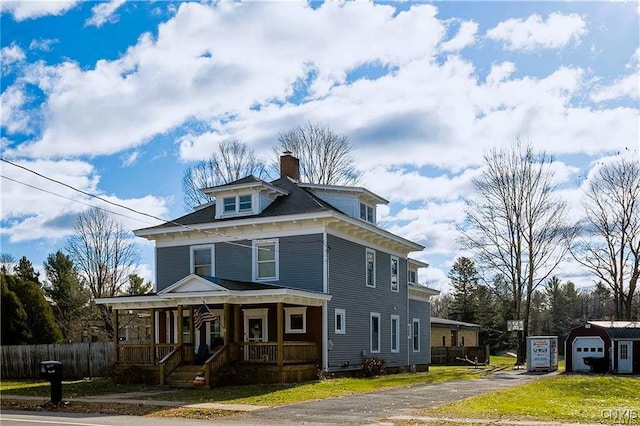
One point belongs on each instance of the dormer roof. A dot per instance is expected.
(249, 182)
(362, 193)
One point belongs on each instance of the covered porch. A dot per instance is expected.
(249, 323)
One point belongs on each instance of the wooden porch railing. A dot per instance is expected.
(170, 363)
(214, 363)
(267, 352)
(143, 354)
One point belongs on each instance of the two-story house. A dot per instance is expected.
(298, 276)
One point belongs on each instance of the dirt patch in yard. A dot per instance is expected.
(116, 409)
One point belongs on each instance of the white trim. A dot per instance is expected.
(366, 212)
(395, 318)
(421, 293)
(262, 313)
(397, 275)
(340, 312)
(366, 268)
(288, 311)
(325, 336)
(373, 315)
(176, 286)
(193, 248)
(244, 186)
(413, 326)
(276, 255)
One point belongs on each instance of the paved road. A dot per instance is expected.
(361, 409)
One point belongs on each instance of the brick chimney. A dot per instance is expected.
(289, 166)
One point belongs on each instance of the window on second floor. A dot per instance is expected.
(202, 260)
(394, 274)
(265, 260)
(366, 213)
(371, 268)
(411, 276)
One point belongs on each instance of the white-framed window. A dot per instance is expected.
(416, 335)
(244, 203)
(229, 204)
(202, 260)
(367, 213)
(411, 276)
(394, 274)
(266, 260)
(374, 332)
(371, 268)
(295, 319)
(340, 321)
(237, 204)
(395, 333)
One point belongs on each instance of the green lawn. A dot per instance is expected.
(254, 394)
(565, 397)
(299, 392)
(73, 388)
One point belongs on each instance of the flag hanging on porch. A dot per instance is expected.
(202, 315)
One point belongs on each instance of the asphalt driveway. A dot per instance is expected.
(371, 407)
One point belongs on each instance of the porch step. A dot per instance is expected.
(182, 377)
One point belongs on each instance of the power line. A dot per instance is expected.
(172, 222)
(71, 199)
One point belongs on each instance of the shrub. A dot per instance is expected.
(372, 367)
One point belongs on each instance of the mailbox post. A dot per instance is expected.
(52, 371)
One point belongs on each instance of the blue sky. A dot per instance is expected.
(118, 98)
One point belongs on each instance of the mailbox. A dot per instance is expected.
(52, 371)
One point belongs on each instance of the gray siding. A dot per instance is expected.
(345, 203)
(172, 264)
(349, 292)
(301, 262)
(233, 260)
(422, 311)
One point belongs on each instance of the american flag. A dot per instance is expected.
(202, 315)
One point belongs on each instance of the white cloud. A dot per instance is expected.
(43, 44)
(11, 54)
(104, 12)
(14, 118)
(130, 159)
(625, 87)
(466, 36)
(30, 214)
(534, 33)
(29, 9)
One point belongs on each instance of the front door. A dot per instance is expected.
(255, 331)
(625, 356)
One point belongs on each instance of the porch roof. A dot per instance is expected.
(195, 289)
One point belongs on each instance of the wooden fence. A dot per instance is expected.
(444, 355)
(78, 360)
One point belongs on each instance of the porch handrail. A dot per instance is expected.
(293, 352)
(170, 362)
(214, 363)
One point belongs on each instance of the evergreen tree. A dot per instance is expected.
(464, 280)
(137, 285)
(68, 296)
(41, 321)
(15, 325)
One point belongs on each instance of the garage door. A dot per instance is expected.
(586, 347)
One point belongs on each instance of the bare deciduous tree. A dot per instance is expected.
(232, 161)
(516, 224)
(325, 157)
(104, 254)
(610, 246)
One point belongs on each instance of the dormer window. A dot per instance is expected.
(366, 213)
(411, 276)
(237, 204)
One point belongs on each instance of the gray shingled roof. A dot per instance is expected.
(298, 201)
